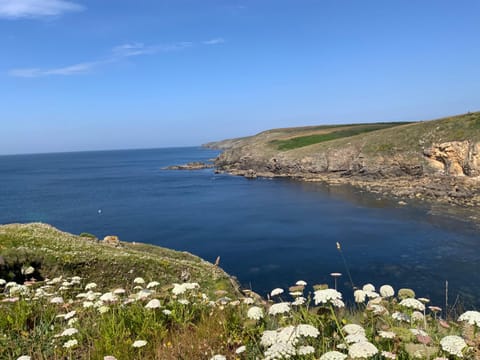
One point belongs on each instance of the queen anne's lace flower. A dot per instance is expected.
(240, 349)
(306, 331)
(362, 350)
(333, 355)
(326, 295)
(413, 304)
(418, 332)
(472, 317)
(368, 288)
(255, 313)
(386, 291)
(139, 280)
(389, 355)
(299, 301)
(139, 343)
(70, 343)
(276, 291)
(359, 296)
(352, 329)
(218, 357)
(69, 332)
(305, 350)
(355, 338)
(152, 284)
(400, 316)
(453, 344)
(90, 286)
(153, 304)
(417, 316)
(109, 297)
(301, 283)
(280, 351)
(280, 308)
(387, 334)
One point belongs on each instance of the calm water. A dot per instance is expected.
(269, 233)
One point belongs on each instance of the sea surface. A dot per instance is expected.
(268, 233)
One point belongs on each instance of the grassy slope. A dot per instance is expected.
(55, 252)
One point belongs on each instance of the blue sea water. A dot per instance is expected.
(268, 233)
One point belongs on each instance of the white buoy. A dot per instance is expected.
(99, 211)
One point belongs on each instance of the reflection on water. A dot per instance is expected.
(269, 233)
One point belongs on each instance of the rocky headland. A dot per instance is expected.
(436, 161)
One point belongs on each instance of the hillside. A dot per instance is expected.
(52, 252)
(435, 160)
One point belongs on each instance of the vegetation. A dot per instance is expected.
(300, 141)
(71, 317)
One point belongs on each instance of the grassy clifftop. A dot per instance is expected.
(52, 252)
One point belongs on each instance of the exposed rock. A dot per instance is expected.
(455, 158)
(111, 240)
(196, 165)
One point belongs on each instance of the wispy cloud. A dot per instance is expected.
(117, 54)
(215, 41)
(16, 9)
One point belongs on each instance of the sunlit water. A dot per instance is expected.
(268, 233)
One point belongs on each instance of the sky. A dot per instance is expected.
(118, 74)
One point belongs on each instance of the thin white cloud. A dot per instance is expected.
(215, 41)
(16, 9)
(117, 54)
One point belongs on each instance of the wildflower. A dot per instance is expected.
(54, 281)
(377, 309)
(153, 304)
(152, 284)
(368, 288)
(296, 293)
(248, 301)
(269, 337)
(240, 349)
(103, 309)
(372, 294)
(386, 291)
(90, 286)
(166, 312)
(178, 289)
(143, 294)
(139, 280)
(355, 338)
(108, 297)
(453, 344)
(24, 357)
(69, 332)
(418, 332)
(471, 317)
(436, 309)
(255, 313)
(87, 304)
(280, 351)
(306, 331)
(352, 329)
(389, 355)
(299, 301)
(400, 316)
(218, 357)
(424, 300)
(305, 350)
(362, 350)
(326, 295)
(333, 355)
(387, 334)
(301, 283)
(183, 301)
(70, 343)
(2, 282)
(279, 308)
(119, 291)
(109, 357)
(139, 343)
(417, 316)
(412, 304)
(56, 300)
(276, 291)
(69, 315)
(27, 270)
(72, 321)
(338, 303)
(360, 296)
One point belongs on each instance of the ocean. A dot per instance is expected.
(268, 233)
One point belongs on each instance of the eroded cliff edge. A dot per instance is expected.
(437, 160)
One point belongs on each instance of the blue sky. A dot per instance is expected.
(113, 74)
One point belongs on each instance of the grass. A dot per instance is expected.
(301, 141)
(69, 317)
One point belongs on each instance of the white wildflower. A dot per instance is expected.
(453, 344)
(143, 294)
(276, 291)
(280, 351)
(305, 350)
(301, 283)
(418, 332)
(72, 321)
(139, 343)
(279, 308)
(372, 294)
(471, 317)
(90, 286)
(387, 291)
(326, 295)
(27, 270)
(166, 312)
(387, 334)
(108, 297)
(119, 291)
(183, 301)
(138, 280)
(153, 304)
(152, 284)
(333, 355)
(412, 304)
(103, 309)
(338, 303)
(24, 357)
(109, 357)
(299, 301)
(377, 309)
(360, 296)
(178, 289)
(352, 329)
(56, 300)
(306, 330)
(388, 355)
(296, 293)
(368, 288)
(400, 316)
(2, 282)
(269, 337)
(70, 343)
(255, 313)
(54, 281)
(70, 315)
(69, 332)
(417, 316)
(248, 301)
(240, 349)
(362, 350)
(87, 304)
(218, 357)
(356, 338)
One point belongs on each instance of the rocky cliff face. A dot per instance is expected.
(408, 161)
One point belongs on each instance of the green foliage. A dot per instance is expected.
(302, 141)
